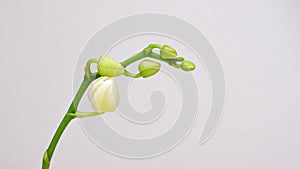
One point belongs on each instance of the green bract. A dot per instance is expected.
(148, 68)
(107, 66)
(188, 66)
(167, 52)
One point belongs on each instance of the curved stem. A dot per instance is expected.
(144, 54)
(50, 150)
(87, 68)
(66, 120)
(129, 74)
(88, 78)
(133, 59)
(157, 57)
(152, 46)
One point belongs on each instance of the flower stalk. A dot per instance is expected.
(108, 68)
(69, 116)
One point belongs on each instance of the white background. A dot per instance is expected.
(258, 45)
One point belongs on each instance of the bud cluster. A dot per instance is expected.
(169, 53)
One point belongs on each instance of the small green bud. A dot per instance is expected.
(180, 59)
(188, 66)
(167, 52)
(148, 68)
(107, 66)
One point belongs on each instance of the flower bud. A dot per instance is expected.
(167, 52)
(104, 95)
(187, 66)
(180, 59)
(107, 66)
(148, 68)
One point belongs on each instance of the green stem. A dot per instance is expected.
(145, 54)
(49, 152)
(126, 73)
(87, 68)
(157, 57)
(66, 120)
(134, 58)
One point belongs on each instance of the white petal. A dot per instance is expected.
(100, 96)
(91, 92)
(104, 95)
(115, 94)
(91, 97)
(112, 98)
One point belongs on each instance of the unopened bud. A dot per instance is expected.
(148, 68)
(167, 52)
(188, 66)
(107, 66)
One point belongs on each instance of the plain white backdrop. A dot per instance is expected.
(258, 45)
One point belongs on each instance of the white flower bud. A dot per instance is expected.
(104, 95)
